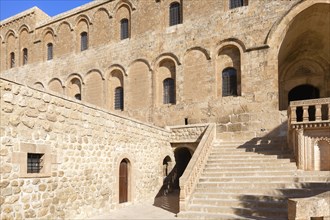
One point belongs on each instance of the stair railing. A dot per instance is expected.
(192, 173)
(312, 115)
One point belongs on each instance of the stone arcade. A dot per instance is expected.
(128, 101)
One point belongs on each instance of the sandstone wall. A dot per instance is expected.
(212, 37)
(83, 147)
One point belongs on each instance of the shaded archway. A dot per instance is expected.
(303, 92)
(124, 180)
(168, 197)
(182, 158)
(304, 55)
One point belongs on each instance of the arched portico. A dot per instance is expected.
(300, 49)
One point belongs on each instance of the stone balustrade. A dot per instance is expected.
(312, 112)
(187, 133)
(309, 133)
(189, 179)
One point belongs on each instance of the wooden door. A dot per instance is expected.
(123, 182)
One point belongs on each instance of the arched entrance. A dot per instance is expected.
(124, 179)
(303, 92)
(182, 158)
(167, 163)
(168, 197)
(303, 57)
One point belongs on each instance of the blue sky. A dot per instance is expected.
(51, 7)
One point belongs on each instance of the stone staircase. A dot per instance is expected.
(251, 181)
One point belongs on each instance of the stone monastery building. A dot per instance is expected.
(221, 104)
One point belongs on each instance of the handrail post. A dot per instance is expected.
(305, 113)
(318, 113)
(293, 114)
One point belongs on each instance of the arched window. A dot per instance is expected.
(238, 3)
(175, 14)
(169, 91)
(229, 82)
(124, 32)
(119, 98)
(49, 51)
(25, 56)
(12, 60)
(83, 41)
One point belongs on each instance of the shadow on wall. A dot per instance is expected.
(168, 197)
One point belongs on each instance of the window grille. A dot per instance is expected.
(119, 98)
(34, 163)
(124, 33)
(12, 59)
(25, 56)
(238, 3)
(175, 14)
(229, 82)
(84, 41)
(169, 91)
(49, 51)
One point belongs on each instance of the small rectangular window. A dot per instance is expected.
(84, 41)
(49, 51)
(119, 98)
(175, 14)
(238, 3)
(124, 33)
(25, 56)
(34, 162)
(12, 60)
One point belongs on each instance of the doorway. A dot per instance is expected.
(123, 180)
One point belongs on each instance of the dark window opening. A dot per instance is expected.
(12, 60)
(186, 121)
(119, 98)
(25, 56)
(169, 91)
(175, 14)
(77, 96)
(304, 92)
(229, 82)
(49, 51)
(124, 33)
(34, 163)
(84, 41)
(238, 3)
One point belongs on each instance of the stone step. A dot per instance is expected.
(249, 165)
(248, 159)
(260, 212)
(209, 216)
(262, 172)
(215, 216)
(259, 185)
(271, 166)
(247, 155)
(267, 178)
(245, 173)
(265, 150)
(241, 203)
(244, 153)
(224, 193)
(224, 163)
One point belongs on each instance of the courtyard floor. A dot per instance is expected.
(140, 211)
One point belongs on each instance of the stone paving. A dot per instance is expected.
(140, 211)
